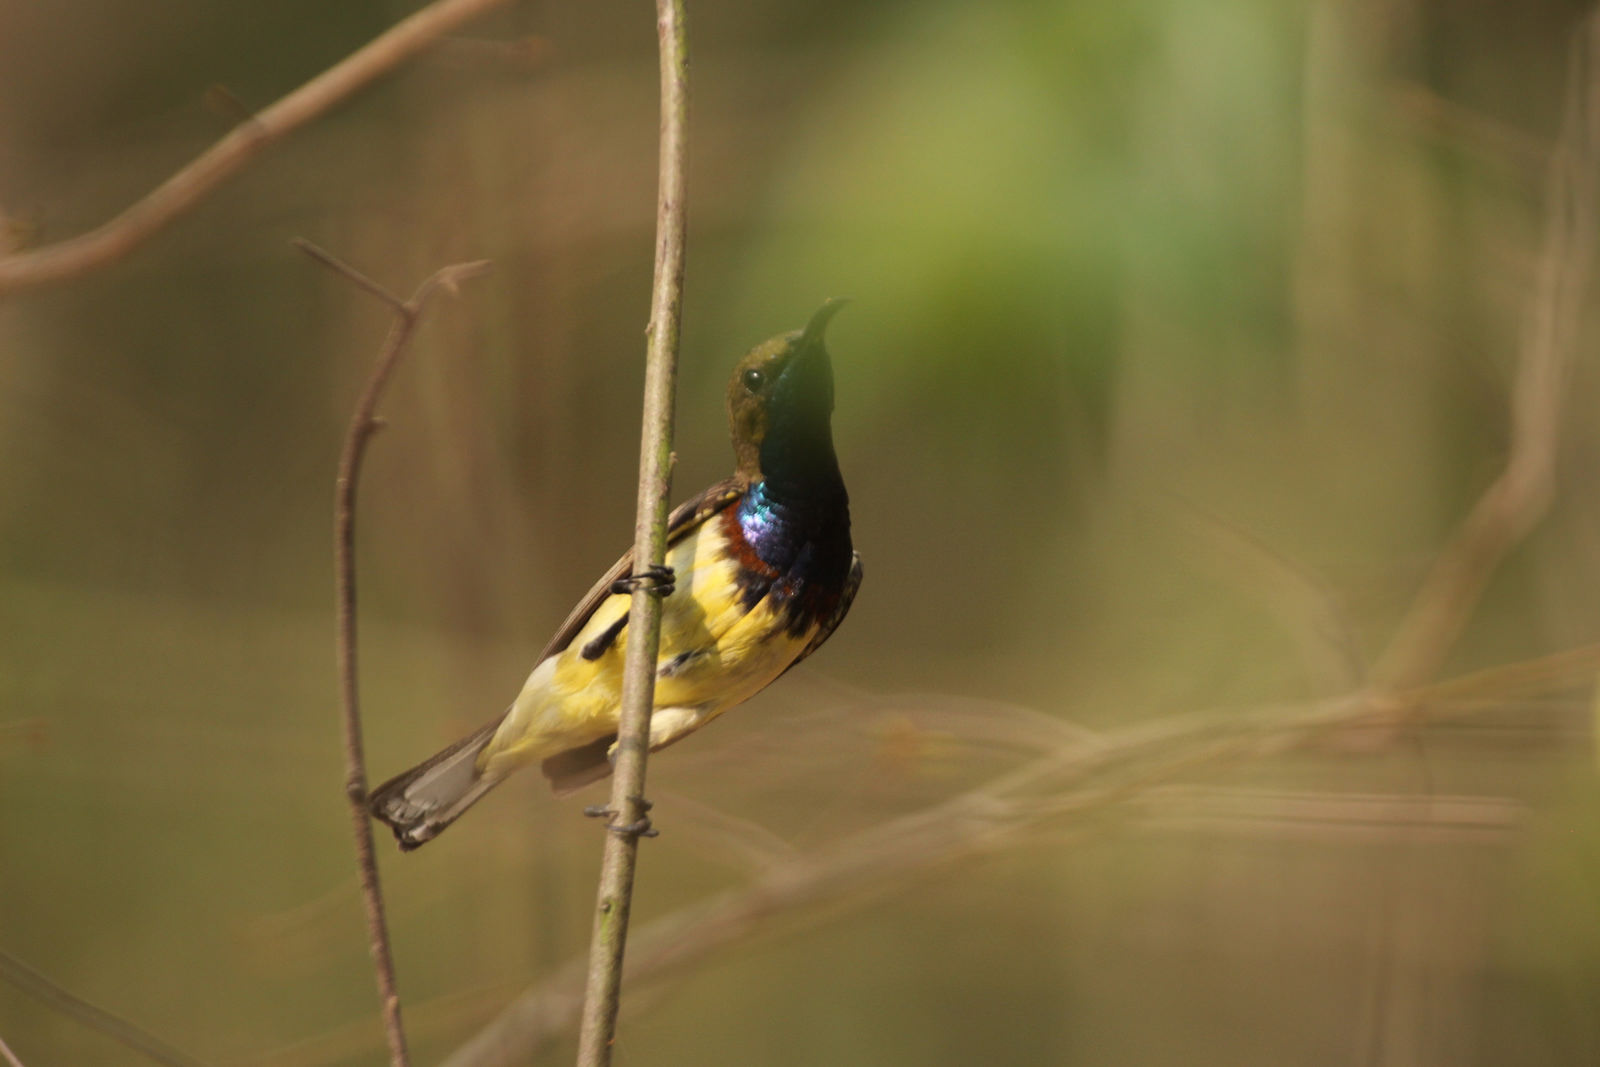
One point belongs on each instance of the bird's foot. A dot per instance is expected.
(636, 830)
(659, 579)
(639, 828)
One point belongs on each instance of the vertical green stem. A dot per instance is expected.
(603, 990)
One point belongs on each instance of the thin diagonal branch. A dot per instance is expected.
(10, 1057)
(1063, 789)
(356, 278)
(603, 989)
(1519, 498)
(362, 425)
(68, 1003)
(182, 191)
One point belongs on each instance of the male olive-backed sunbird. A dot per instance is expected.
(763, 571)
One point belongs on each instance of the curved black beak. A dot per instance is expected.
(805, 387)
(813, 333)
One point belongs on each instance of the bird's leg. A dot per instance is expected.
(600, 811)
(658, 578)
(641, 828)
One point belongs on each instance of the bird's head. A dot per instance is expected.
(780, 405)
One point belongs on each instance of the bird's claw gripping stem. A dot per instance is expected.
(657, 578)
(641, 828)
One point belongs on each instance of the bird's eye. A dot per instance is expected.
(754, 380)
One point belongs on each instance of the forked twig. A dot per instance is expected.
(1520, 496)
(168, 201)
(362, 424)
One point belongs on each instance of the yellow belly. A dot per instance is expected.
(714, 654)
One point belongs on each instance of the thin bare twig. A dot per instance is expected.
(1320, 815)
(146, 217)
(362, 424)
(356, 278)
(1082, 778)
(604, 985)
(11, 1057)
(68, 1003)
(1519, 498)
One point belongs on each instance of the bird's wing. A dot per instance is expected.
(852, 582)
(575, 768)
(683, 521)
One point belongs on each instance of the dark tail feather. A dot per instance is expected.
(421, 802)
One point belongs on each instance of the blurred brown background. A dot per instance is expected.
(1184, 336)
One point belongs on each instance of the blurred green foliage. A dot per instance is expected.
(1131, 281)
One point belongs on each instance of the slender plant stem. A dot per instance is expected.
(145, 218)
(120, 1030)
(10, 1057)
(604, 986)
(363, 423)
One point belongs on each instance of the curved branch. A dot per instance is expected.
(112, 240)
(1518, 499)
(363, 423)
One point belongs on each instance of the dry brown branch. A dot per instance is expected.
(11, 1057)
(602, 996)
(1343, 816)
(1065, 788)
(172, 198)
(68, 1003)
(1519, 498)
(362, 425)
